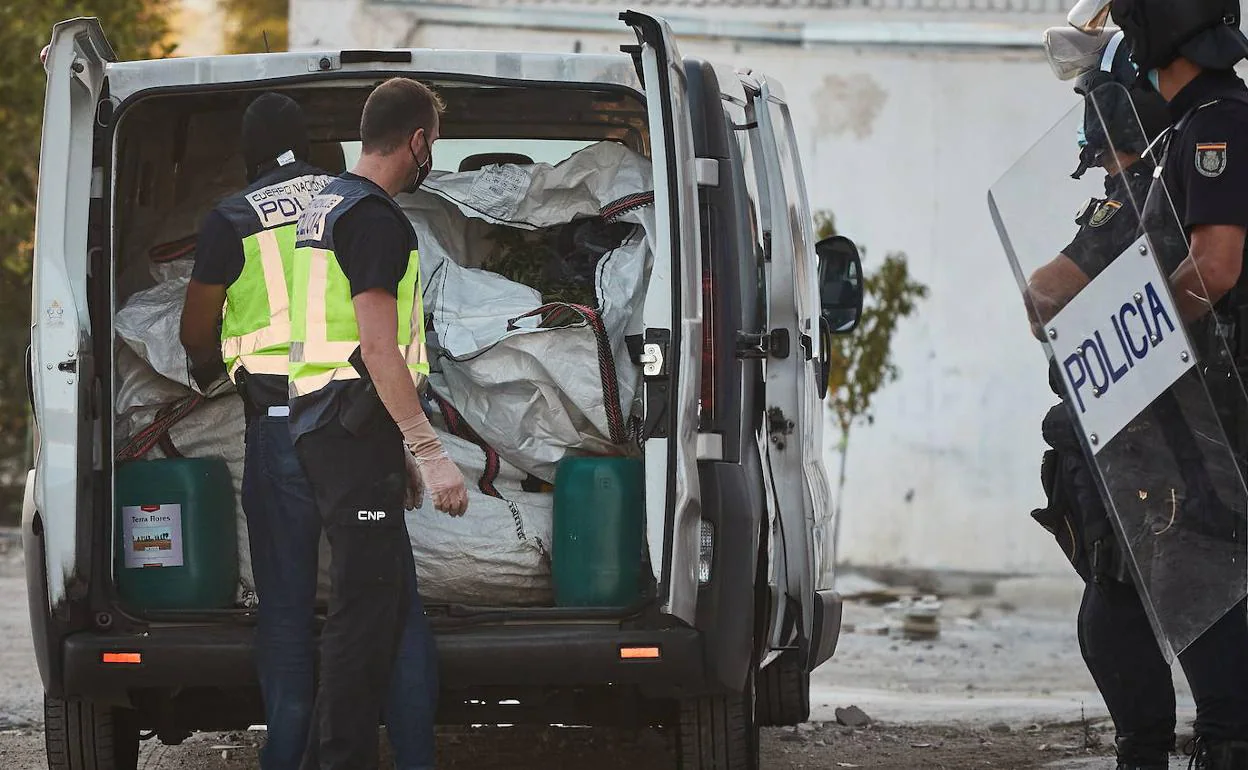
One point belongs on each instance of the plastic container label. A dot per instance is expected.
(152, 535)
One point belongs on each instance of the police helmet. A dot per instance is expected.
(1206, 32)
(274, 130)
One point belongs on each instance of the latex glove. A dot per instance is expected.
(440, 475)
(445, 483)
(415, 496)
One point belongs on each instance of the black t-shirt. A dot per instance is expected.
(1107, 226)
(1206, 167)
(218, 251)
(372, 243)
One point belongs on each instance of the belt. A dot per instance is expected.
(279, 411)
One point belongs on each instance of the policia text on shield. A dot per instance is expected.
(1150, 505)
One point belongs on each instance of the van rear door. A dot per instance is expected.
(673, 321)
(794, 414)
(61, 358)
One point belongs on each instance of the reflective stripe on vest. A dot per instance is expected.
(255, 330)
(324, 333)
(255, 327)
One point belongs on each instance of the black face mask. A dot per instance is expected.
(422, 168)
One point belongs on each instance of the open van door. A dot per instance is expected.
(62, 376)
(673, 324)
(794, 422)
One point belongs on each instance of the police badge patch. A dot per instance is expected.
(1104, 213)
(1211, 159)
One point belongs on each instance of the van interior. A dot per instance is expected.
(177, 154)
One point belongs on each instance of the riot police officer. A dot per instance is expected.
(1186, 51)
(1142, 705)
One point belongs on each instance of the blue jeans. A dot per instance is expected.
(284, 529)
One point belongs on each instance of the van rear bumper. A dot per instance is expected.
(539, 655)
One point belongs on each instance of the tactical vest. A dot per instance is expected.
(255, 328)
(324, 334)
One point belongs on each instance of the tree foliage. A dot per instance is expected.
(250, 23)
(861, 363)
(137, 29)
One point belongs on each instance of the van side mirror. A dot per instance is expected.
(840, 284)
(840, 297)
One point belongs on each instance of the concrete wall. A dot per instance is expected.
(902, 145)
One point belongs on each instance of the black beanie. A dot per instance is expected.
(272, 125)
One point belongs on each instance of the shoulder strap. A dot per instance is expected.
(1236, 96)
(316, 224)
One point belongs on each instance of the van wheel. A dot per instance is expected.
(783, 693)
(719, 732)
(81, 735)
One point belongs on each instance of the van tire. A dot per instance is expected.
(783, 693)
(82, 735)
(718, 732)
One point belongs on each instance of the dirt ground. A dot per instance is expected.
(890, 747)
(1001, 687)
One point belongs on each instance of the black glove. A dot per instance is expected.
(211, 378)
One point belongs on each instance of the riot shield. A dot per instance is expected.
(1150, 383)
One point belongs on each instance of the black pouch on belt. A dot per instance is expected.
(361, 407)
(1059, 517)
(250, 410)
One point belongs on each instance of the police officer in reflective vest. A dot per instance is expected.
(357, 359)
(243, 262)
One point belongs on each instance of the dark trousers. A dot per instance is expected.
(1121, 652)
(284, 530)
(358, 483)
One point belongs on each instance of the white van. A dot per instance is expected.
(728, 346)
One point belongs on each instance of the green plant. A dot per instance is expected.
(861, 363)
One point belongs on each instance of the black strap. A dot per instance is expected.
(1181, 125)
(458, 426)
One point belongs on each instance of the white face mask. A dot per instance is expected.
(1154, 77)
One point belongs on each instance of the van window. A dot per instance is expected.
(758, 181)
(795, 199)
(743, 136)
(449, 153)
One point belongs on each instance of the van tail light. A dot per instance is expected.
(629, 652)
(131, 658)
(707, 399)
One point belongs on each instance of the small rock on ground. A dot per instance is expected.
(852, 717)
